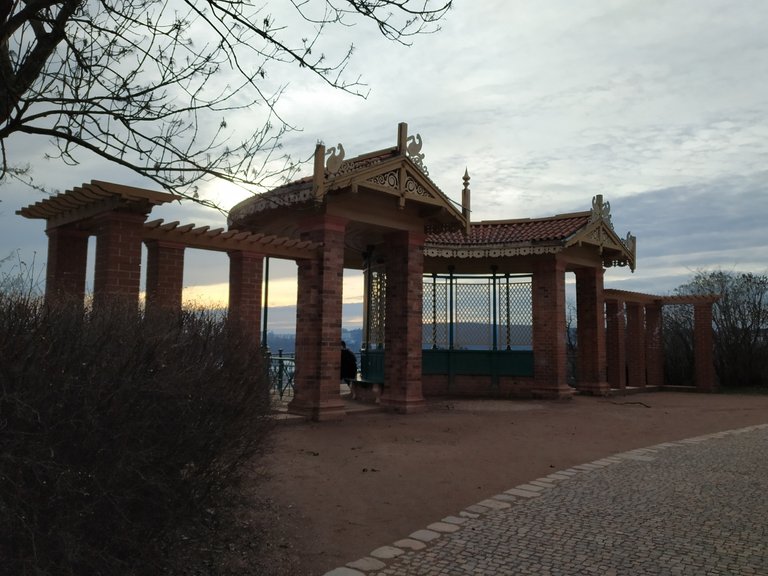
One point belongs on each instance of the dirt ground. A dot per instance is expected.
(338, 490)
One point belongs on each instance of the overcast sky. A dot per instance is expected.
(661, 106)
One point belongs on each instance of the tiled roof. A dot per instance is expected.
(305, 182)
(514, 231)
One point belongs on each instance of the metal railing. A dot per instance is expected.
(281, 371)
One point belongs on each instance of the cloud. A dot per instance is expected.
(661, 107)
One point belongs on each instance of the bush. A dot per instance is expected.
(121, 436)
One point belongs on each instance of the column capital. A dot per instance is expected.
(122, 216)
(323, 222)
(164, 243)
(407, 237)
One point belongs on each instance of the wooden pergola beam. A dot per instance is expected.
(218, 240)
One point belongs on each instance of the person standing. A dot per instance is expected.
(348, 370)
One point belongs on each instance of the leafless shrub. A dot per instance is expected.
(121, 436)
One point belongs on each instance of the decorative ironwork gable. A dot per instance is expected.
(599, 232)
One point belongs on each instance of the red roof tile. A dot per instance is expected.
(515, 231)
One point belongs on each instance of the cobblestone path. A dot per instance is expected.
(693, 507)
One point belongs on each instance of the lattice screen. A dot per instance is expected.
(466, 312)
(376, 312)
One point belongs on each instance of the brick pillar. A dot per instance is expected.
(635, 345)
(616, 345)
(246, 271)
(549, 348)
(118, 257)
(403, 332)
(654, 345)
(703, 348)
(67, 263)
(165, 276)
(318, 323)
(590, 309)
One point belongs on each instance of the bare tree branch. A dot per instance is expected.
(148, 84)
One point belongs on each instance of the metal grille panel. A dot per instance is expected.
(516, 313)
(477, 312)
(376, 312)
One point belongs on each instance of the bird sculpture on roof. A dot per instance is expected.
(333, 164)
(413, 149)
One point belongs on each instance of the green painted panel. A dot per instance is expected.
(372, 365)
(481, 362)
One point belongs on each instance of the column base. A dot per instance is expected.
(707, 389)
(402, 405)
(319, 412)
(594, 388)
(565, 393)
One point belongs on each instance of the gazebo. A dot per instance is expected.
(380, 212)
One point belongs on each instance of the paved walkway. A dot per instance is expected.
(693, 507)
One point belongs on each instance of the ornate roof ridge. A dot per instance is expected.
(564, 216)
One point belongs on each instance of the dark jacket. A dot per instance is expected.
(348, 365)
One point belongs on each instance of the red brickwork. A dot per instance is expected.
(549, 350)
(403, 333)
(654, 345)
(616, 351)
(246, 271)
(165, 276)
(118, 257)
(67, 262)
(636, 345)
(477, 386)
(703, 342)
(318, 323)
(590, 310)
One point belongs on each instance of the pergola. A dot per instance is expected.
(635, 344)
(381, 213)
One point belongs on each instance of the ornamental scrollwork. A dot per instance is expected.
(413, 187)
(630, 242)
(413, 151)
(354, 165)
(389, 180)
(601, 210)
(464, 253)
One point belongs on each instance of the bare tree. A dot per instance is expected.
(148, 84)
(679, 361)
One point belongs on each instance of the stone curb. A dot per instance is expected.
(516, 496)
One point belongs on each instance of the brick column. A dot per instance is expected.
(703, 348)
(590, 309)
(118, 258)
(246, 271)
(549, 349)
(616, 345)
(67, 264)
(654, 345)
(635, 345)
(403, 332)
(165, 276)
(318, 323)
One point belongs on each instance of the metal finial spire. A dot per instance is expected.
(465, 198)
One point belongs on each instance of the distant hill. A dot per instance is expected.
(467, 335)
(477, 336)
